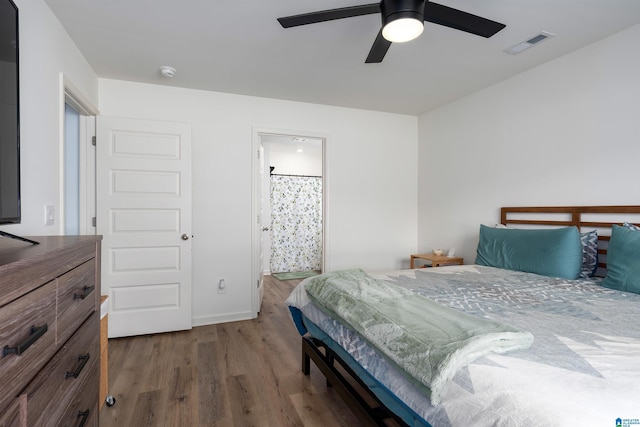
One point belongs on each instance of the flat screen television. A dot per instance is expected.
(10, 212)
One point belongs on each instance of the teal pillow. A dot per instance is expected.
(553, 252)
(623, 260)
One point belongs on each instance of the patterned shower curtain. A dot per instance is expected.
(296, 223)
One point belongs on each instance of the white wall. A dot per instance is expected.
(564, 133)
(46, 51)
(371, 203)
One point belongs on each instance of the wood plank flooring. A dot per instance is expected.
(244, 373)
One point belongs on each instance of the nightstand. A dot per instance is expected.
(436, 260)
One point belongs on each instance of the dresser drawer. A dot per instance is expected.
(27, 339)
(76, 298)
(24, 268)
(62, 379)
(83, 409)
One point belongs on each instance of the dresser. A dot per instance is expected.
(50, 331)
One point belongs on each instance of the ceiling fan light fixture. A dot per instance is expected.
(405, 17)
(402, 20)
(402, 29)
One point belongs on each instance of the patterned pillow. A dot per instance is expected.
(630, 226)
(589, 242)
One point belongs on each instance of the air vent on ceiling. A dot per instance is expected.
(514, 50)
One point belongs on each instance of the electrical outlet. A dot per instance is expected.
(49, 214)
(222, 286)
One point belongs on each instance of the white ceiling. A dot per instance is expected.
(237, 46)
(290, 144)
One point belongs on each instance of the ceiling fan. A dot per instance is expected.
(402, 20)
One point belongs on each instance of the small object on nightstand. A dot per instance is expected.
(438, 252)
(436, 260)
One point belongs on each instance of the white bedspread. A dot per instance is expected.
(583, 368)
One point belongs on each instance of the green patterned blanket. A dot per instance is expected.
(428, 341)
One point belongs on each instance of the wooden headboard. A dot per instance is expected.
(586, 218)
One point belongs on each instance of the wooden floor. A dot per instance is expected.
(235, 374)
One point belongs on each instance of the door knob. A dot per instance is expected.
(185, 237)
(265, 228)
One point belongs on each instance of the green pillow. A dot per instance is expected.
(623, 260)
(555, 252)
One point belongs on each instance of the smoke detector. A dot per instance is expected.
(167, 71)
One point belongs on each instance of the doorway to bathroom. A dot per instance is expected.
(293, 205)
(290, 186)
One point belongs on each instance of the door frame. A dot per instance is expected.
(70, 94)
(256, 226)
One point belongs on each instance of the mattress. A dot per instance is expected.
(583, 367)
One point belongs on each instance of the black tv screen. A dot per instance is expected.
(9, 115)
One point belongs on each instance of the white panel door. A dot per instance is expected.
(143, 181)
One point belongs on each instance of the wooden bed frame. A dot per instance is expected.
(363, 402)
(365, 405)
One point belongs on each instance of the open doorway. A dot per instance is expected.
(78, 206)
(296, 161)
(293, 206)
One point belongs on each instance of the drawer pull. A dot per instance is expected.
(86, 291)
(83, 359)
(84, 415)
(34, 335)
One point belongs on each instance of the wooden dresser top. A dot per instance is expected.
(24, 266)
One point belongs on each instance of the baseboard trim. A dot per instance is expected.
(215, 319)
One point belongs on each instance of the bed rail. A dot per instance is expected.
(365, 405)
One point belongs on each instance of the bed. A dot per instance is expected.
(582, 366)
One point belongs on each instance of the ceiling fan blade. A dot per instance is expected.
(463, 21)
(329, 15)
(378, 50)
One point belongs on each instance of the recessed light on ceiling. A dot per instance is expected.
(516, 49)
(299, 139)
(299, 150)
